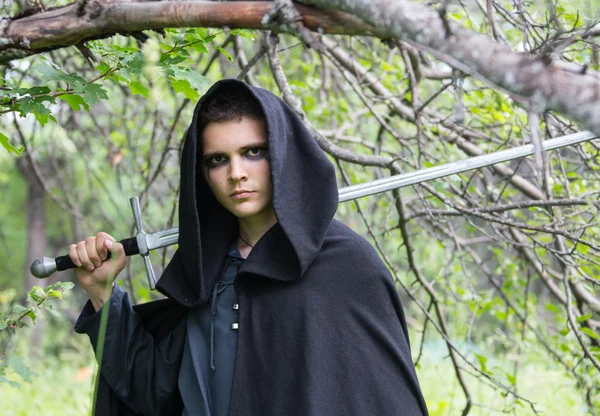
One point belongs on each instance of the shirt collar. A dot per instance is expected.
(234, 252)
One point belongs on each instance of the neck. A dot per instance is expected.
(251, 229)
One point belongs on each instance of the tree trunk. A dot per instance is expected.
(36, 237)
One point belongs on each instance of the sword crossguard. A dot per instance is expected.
(141, 238)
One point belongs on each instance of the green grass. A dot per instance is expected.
(58, 389)
(549, 389)
(63, 387)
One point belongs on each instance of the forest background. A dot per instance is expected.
(498, 268)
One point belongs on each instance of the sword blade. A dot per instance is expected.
(162, 238)
(412, 178)
(168, 237)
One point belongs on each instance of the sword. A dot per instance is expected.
(141, 244)
(144, 242)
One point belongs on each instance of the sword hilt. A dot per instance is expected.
(142, 242)
(46, 266)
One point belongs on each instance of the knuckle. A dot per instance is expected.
(90, 239)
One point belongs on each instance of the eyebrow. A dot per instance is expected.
(248, 146)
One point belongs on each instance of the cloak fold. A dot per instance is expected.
(159, 318)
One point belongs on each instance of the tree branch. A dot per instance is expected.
(64, 26)
(549, 85)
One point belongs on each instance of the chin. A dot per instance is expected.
(245, 212)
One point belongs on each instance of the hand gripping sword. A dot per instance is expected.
(143, 243)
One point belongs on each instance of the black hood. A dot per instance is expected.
(305, 198)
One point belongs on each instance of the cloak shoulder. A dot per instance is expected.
(336, 338)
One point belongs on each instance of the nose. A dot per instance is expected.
(237, 170)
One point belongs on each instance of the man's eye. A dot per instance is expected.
(214, 160)
(256, 151)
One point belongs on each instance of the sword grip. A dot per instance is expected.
(129, 245)
(45, 267)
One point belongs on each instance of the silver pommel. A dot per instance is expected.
(43, 267)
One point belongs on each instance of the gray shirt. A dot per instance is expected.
(206, 373)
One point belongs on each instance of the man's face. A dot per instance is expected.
(236, 158)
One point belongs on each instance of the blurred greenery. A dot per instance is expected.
(102, 132)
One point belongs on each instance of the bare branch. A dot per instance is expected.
(64, 26)
(573, 93)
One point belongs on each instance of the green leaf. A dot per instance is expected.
(590, 333)
(18, 365)
(10, 148)
(184, 86)
(54, 294)
(511, 379)
(33, 297)
(482, 361)
(74, 80)
(564, 332)
(47, 72)
(93, 93)
(62, 286)
(53, 312)
(75, 101)
(20, 309)
(103, 67)
(199, 46)
(50, 72)
(32, 316)
(37, 293)
(196, 80)
(38, 90)
(245, 33)
(224, 52)
(137, 88)
(167, 60)
(9, 382)
(583, 318)
(134, 63)
(35, 106)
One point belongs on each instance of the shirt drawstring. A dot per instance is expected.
(217, 290)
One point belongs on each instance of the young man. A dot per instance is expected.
(275, 308)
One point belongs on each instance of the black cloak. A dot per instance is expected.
(321, 328)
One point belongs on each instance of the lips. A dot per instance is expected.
(241, 194)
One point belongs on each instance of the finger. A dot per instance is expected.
(90, 244)
(73, 255)
(117, 249)
(100, 246)
(118, 256)
(83, 256)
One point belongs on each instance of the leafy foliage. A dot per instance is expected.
(38, 302)
(495, 251)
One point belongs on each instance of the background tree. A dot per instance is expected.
(498, 268)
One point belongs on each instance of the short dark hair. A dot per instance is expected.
(230, 104)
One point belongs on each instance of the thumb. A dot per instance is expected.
(116, 249)
(116, 252)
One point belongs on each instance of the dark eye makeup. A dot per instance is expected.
(253, 153)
